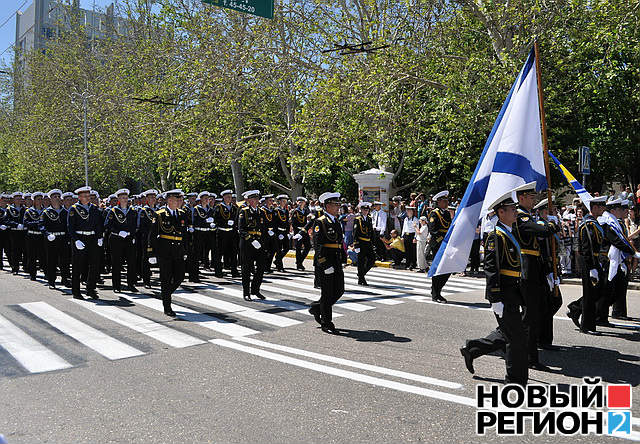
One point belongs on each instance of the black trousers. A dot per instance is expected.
(35, 254)
(122, 250)
(270, 244)
(585, 306)
(85, 262)
(331, 290)
(252, 260)
(366, 259)
(57, 256)
(533, 290)
(282, 249)
(227, 247)
(172, 271)
(17, 249)
(5, 246)
(510, 337)
(437, 284)
(474, 256)
(410, 249)
(379, 247)
(611, 290)
(202, 244)
(550, 306)
(209, 250)
(142, 258)
(620, 298)
(302, 248)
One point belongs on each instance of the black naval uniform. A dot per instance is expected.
(311, 224)
(15, 217)
(619, 309)
(591, 257)
(34, 246)
(85, 225)
(146, 216)
(527, 232)
(330, 256)
(4, 237)
(269, 237)
(251, 227)
(167, 243)
(281, 217)
(616, 285)
(439, 222)
(226, 220)
(551, 302)
(203, 238)
(363, 237)
(298, 218)
(190, 244)
(122, 248)
(54, 223)
(502, 268)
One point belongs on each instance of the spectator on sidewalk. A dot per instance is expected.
(395, 249)
(409, 226)
(422, 235)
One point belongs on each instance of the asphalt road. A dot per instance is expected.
(231, 371)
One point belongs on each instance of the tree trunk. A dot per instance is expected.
(238, 178)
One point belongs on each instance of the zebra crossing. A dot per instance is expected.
(62, 333)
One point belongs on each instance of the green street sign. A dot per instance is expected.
(261, 8)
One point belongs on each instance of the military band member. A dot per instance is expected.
(502, 268)
(210, 252)
(225, 216)
(167, 244)
(146, 215)
(85, 228)
(53, 224)
(363, 239)
(121, 225)
(528, 232)
(203, 226)
(439, 222)
(551, 299)
(190, 236)
(4, 229)
(34, 245)
(269, 237)
(301, 237)
(281, 217)
(15, 218)
(619, 308)
(251, 226)
(330, 257)
(593, 265)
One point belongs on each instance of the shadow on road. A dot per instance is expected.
(372, 335)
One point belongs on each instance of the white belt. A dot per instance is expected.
(18, 229)
(59, 233)
(86, 233)
(34, 232)
(201, 229)
(225, 229)
(283, 229)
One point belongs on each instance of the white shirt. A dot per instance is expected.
(423, 234)
(407, 226)
(488, 224)
(380, 221)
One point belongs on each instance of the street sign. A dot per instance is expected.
(585, 160)
(261, 8)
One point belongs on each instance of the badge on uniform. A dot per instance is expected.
(317, 228)
(491, 244)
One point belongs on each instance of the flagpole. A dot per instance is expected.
(545, 149)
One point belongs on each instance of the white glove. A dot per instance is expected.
(3, 227)
(20, 226)
(209, 220)
(256, 244)
(153, 260)
(270, 232)
(51, 237)
(498, 308)
(100, 242)
(133, 241)
(557, 281)
(297, 236)
(594, 275)
(79, 245)
(329, 270)
(280, 236)
(623, 267)
(637, 255)
(184, 257)
(550, 280)
(357, 250)
(123, 234)
(230, 223)
(190, 230)
(212, 225)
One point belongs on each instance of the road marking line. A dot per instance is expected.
(31, 354)
(347, 374)
(400, 288)
(186, 314)
(302, 284)
(157, 331)
(239, 310)
(425, 281)
(101, 343)
(349, 363)
(353, 306)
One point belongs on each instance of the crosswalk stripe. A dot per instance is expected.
(411, 286)
(101, 343)
(353, 306)
(239, 310)
(31, 354)
(304, 283)
(157, 331)
(186, 314)
(452, 282)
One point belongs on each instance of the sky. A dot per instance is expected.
(8, 10)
